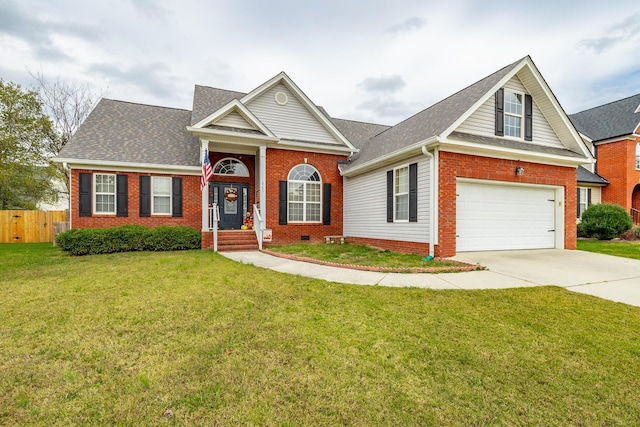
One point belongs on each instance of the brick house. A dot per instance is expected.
(613, 130)
(492, 167)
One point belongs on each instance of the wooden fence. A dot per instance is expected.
(29, 226)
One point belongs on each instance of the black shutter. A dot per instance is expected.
(390, 196)
(122, 195)
(282, 205)
(326, 204)
(176, 199)
(413, 192)
(578, 204)
(145, 196)
(500, 112)
(528, 118)
(84, 192)
(588, 197)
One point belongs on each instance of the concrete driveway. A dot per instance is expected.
(605, 276)
(613, 278)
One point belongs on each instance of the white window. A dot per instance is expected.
(401, 194)
(161, 195)
(230, 166)
(513, 114)
(638, 156)
(105, 193)
(304, 184)
(584, 196)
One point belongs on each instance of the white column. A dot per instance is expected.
(204, 145)
(263, 185)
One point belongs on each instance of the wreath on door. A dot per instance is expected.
(231, 194)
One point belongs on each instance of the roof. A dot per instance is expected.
(586, 176)
(358, 132)
(118, 131)
(610, 120)
(430, 122)
(207, 99)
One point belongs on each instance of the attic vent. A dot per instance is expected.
(281, 98)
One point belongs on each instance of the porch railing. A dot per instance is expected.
(214, 218)
(635, 216)
(258, 224)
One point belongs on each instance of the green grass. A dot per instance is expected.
(192, 338)
(359, 255)
(622, 249)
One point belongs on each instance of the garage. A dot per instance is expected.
(493, 216)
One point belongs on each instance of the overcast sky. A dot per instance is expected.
(373, 60)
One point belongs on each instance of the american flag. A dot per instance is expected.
(207, 172)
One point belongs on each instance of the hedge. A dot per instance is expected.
(604, 221)
(127, 238)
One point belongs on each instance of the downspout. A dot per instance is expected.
(66, 167)
(432, 201)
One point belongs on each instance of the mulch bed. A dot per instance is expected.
(461, 266)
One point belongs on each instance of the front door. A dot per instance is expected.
(233, 200)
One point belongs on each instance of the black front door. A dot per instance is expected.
(233, 200)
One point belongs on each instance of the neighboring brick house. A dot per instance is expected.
(614, 131)
(491, 167)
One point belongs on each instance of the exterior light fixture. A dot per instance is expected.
(519, 171)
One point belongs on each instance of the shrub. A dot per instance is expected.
(633, 234)
(604, 221)
(127, 238)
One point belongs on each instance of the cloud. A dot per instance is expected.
(388, 109)
(150, 9)
(618, 33)
(383, 84)
(409, 24)
(153, 78)
(38, 33)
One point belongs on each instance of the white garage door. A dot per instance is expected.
(501, 217)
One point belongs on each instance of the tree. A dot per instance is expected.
(25, 132)
(68, 104)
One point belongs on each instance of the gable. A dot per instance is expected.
(233, 120)
(289, 118)
(482, 121)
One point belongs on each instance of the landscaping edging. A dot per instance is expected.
(448, 269)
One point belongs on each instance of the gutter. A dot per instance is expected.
(432, 202)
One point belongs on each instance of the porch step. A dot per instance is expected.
(237, 240)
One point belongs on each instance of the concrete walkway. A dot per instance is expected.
(613, 278)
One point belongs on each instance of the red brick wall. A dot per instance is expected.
(392, 245)
(191, 204)
(453, 165)
(279, 163)
(617, 164)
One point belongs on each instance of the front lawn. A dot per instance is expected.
(193, 338)
(624, 249)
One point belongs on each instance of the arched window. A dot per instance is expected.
(304, 184)
(230, 166)
(638, 156)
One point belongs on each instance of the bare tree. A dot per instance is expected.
(68, 104)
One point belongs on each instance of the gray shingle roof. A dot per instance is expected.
(430, 122)
(358, 132)
(207, 100)
(118, 131)
(586, 176)
(611, 120)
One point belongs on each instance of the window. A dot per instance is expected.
(638, 156)
(105, 193)
(513, 114)
(303, 189)
(401, 194)
(230, 166)
(161, 195)
(584, 200)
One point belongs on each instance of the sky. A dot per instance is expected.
(375, 61)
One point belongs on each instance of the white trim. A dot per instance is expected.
(153, 212)
(395, 194)
(520, 116)
(104, 165)
(486, 150)
(213, 169)
(390, 158)
(304, 200)
(302, 97)
(95, 193)
(207, 132)
(630, 136)
(318, 148)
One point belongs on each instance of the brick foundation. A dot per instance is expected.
(392, 245)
